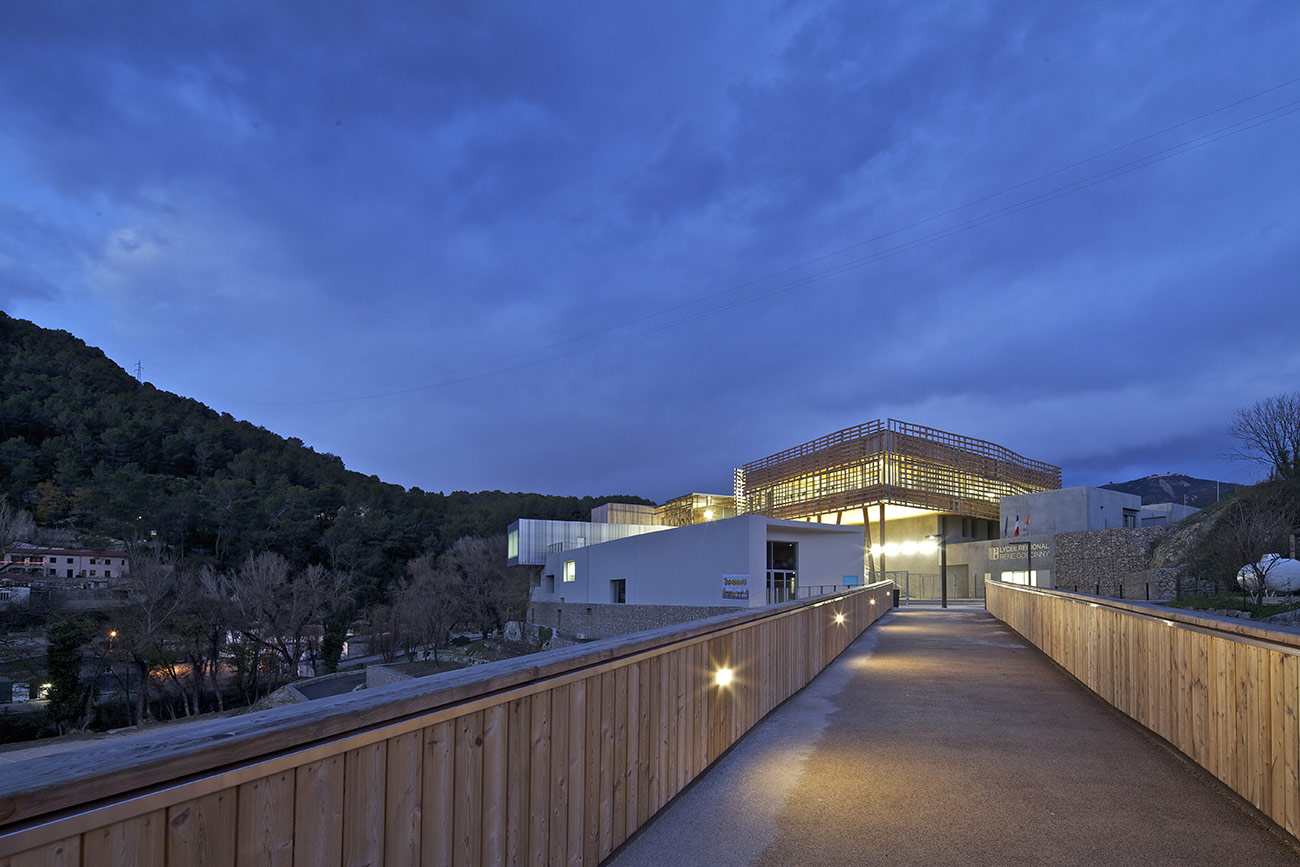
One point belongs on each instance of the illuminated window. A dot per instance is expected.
(570, 570)
(512, 544)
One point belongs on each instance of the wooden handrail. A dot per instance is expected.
(110, 784)
(1225, 694)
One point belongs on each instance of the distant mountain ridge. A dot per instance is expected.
(1175, 488)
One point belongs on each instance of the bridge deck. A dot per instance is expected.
(941, 737)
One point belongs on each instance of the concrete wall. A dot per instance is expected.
(1069, 510)
(989, 560)
(687, 565)
(603, 621)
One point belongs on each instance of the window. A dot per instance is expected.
(618, 590)
(92, 561)
(570, 570)
(69, 573)
(108, 573)
(512, 544)
(69, 560)
(92, 572)
(1130, 518)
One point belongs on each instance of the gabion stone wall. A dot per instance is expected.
(1112, 562)
(577, 619)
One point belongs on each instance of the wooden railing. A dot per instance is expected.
(1225, 694)
(552, 759)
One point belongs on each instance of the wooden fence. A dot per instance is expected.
(551, 759)
(1225, 694)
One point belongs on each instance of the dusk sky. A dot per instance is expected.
(625, 247)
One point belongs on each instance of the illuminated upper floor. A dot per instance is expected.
(904, 467)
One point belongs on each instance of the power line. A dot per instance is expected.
(578, 344)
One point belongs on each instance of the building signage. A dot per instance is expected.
(1016, 551)
(735, 587)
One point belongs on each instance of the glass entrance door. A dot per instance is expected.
(782, 571)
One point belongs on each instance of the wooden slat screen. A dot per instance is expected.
(1226, 695)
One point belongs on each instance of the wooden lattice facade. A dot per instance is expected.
(891, 463)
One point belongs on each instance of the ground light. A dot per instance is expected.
(723, 677)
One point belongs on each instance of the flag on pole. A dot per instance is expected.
(1006, 526)
(1027, 514)
(1017, 525)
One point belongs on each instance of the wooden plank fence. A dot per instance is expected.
(554, 758)
(1225, 694)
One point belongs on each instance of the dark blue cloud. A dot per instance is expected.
(489, 245)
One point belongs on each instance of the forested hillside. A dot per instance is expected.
(86, 448)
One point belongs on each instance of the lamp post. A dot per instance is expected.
(1029, 563)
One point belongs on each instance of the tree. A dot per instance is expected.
(432, 603)
(154, 597)
(273, 608)
(491, 592)
(1253, 528)
(1268, 433)
(15, 525)
(66, 639)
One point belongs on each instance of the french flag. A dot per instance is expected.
(1017, 525)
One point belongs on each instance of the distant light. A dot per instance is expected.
(708, 514)
(723, 676)
(873, 602)
(112, 633)
(839, 618)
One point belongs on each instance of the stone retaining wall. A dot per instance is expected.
(1112, 562)
(577, 620)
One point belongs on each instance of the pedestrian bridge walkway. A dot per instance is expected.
(943, 737)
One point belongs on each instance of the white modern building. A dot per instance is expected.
(740, 562)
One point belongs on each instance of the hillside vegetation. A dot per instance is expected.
(89, 450)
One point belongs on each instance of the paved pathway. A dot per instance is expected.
(941, 737)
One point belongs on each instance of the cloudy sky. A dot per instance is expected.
(625, 247)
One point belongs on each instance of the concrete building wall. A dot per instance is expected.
(1069, 510)
(688, 565)
(1005, 559)
(1162, 514)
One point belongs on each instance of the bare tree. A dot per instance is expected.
(431, 604)
(144, 631)
(1268, 433)
(1252, 529)
(273, 609)
(15, 525)
(491, 592)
